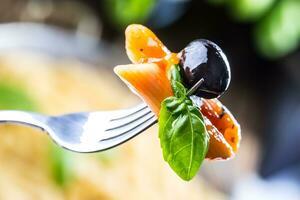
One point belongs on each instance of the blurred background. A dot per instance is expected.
(57, 56)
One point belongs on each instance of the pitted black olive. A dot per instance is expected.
(204, 59)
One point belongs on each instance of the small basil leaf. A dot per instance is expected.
(178, 89)
(175, 73)
(172, 102)
(183, 136)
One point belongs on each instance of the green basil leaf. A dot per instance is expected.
(178, 89)
(175, 73)
(183, 136)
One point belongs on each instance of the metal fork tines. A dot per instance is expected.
(88, 131)
(117, 124)
(127, 123)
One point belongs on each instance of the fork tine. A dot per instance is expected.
(115, 141)
(129, 121)
(124, 127)
(129, 112)
(122, 122)
(133, 130)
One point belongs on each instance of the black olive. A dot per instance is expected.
(204, 59)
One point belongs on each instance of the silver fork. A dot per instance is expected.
(87, 131)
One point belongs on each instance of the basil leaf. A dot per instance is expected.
(178, 89)
(175, 73)
(183, 136)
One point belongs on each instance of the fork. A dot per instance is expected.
(87, 131)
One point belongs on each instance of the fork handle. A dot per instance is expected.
(24, 118)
